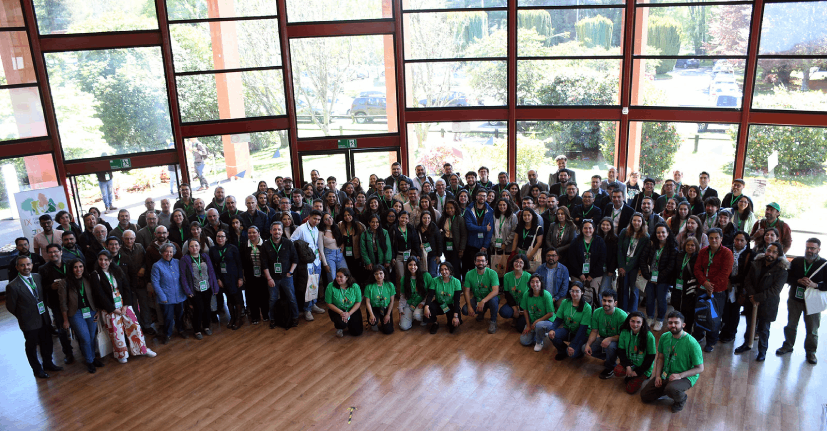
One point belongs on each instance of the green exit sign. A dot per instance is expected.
(120, 163)
(347, 143)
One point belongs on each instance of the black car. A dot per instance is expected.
(687, 63)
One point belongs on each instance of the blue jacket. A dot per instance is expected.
(235, 272)
(166, 279)
(187, 275)
(561, 280)
(259, 220)
(474, 228)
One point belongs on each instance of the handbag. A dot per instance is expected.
(312, 290)
(535, 262)
(499, 262)
(815, 300)
(102, 338)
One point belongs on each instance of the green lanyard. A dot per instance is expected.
(404, 235)
(587, 246)
(276, 248)
(525, 233)
(181, 232)
(31, 285)
(683, 265)
(808, 268)
(70, 251)
(709, 264)
(502, 220)
(480, 215)
(221, 254)
(64, 269)
(657, 256)
(111, 280)
(83, 295)
(732, 200)
(120, 228)
(197, 263)
(479, 280)
(773, 223)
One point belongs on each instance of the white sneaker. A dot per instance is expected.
(658, 326)
(538, 347)
(340, 333)
(651, 322)
(316, 309)
(122, 360)
(308, 316)
(150, 353)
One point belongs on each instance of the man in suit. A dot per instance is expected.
(26, 300)
(441, 195)
(532, 180)
(559, 189)
(706, 191)
(620, 213)
(561, 161)
(22, 249)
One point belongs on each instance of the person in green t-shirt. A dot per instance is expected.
(636, 350)
(678, 364)
(605, 331)
(538, 307)
(344, 297)
(412, 293)
(482, 287)
(379, 297)
(515, 286)
(571, 323)
(443, 298)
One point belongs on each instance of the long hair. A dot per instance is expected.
(699, 231)
(350, 281)
(445, 211)
(419, 279)
(334, 229)
(431, 229)
(643, 335)
(530, 290)
(498, 213)
(521, 222)
(380, 232)
(568, 295)
(630, 230)
(676, 219)
(744, 215)
(569, 220)
(670, 237)
(607, 236)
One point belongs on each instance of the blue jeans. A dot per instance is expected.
(85, 331)
(107, 192)
(284, 285)
(312, 269)
(712, 336)
(656, 291)
(609, 354)
(199, 173)
(433, 266)
(493, 305)
(562, 334)
(173, 313)
(628, 294)
(335, 260)
(536, 336)
(606, 283)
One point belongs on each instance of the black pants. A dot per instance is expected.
(38, 337)
(436, 310)
(353, 326)
(258, 298)
(62, 334)
(686, 305)
(201, 310)
(300, 285)
(379, 313)
(235, 298)
(731, 316)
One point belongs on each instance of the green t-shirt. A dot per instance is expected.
(380, 296)
(343, 299)
(481, 285)
(679, 355)
(444, 292)
(606, 325)
(629, 343)
(537, 306)
(572, 319)
(517, 288)
(416, 298)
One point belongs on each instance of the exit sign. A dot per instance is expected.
(347, 143)
(120, 163)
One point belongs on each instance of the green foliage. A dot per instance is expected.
(665, 35)
(658, 145)
(538, 20)
(595, 31)
(531, 154)
(469, 27)
(801, 150)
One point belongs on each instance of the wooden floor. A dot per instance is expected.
(256, 378)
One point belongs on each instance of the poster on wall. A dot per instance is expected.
(34, 203)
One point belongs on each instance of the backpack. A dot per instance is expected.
(306, 254)
(707, 315)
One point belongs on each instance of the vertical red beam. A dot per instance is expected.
(512, 90)
(289, 101)
(627, 47)
(401, 102)
(45, 95)
(172, 92)
(749, 85)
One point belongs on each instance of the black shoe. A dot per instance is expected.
(762, 356)
(198, 336)
(607, 374)
(97, 362)
(69, 360)
(678, 407)
(741, 349)
(214, 318)
(52, 367)
(255, 322)
(149, 331)
(783, 350)
(811, 358)
(165, 340)
(41, 375)
(560, 356)
(265, 319)
(726, 340)
(91, 368)
(434, 327)
(708, 348)
(480, 316)
(183, 335)
(272, 325)
(294, 323)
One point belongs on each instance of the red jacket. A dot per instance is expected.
(719, 271)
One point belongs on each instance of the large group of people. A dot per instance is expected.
(564, 266)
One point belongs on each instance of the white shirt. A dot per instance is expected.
(309, 235)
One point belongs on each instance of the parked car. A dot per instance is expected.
(688, 63)
(450, 98)
(365, 109)
(722, 78)
(816, 73)
(727, 87)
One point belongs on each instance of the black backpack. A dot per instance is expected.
(707, 315)
(306, 254)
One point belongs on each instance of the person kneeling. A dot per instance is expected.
(379, 296)
(482, 287)
(515, 287)
(571, 323)
(605, 332)
(344, 298)
(443, 298)
(636, 350)
(678, 365)
(538, 307)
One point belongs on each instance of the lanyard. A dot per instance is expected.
(709, 264)
(109, 277)
(525, 233)
(451, 222)
(589, 210)
(31, 285)
(808, 268)
(685, 261)
(480, 215)
(671, 356)
(573, 310)
(70, 251)
(773, 223)
(587, 246)
(310, 230)
(732, 200)
(276, 248)
(181, 232)
(118, 227)
(479, 280)
(198, 263)
(221, 254)
(502, 220)
(64, 269)
(657, 256)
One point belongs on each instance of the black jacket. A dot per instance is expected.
(666, 264)
(765, 285)
(232, 259)
(626, 213)
(102, 290)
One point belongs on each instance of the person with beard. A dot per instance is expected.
(70, 249)
(421, 178)
(396, 177)
(219, 201)
(767, 276)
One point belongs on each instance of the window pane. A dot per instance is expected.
(21, 114)
(221, 96)
(337, 10)
(471, 34)
(21, 174)
(570, 32)
(110, 101)
(659, 149)
(225, 45)
(794, 29)
(253, 156)
(568, 82)
(61, 16)
(586, 144)
(198, 9)
(11, 15)
(456, 84)
(694, 30)
(467, 146)
(326, 164)
(794, 84)
(682, 1)
(16, 57)
(372, 162)
(526, 3)
(336, 77)
(712, 83)
(450, 4)
(789, 162)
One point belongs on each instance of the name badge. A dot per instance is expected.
(663, 375)
(480, 235)
(654, 276)
(428, 248)
(406, 255)
(348, 251)
(277, 268)
(449, 245)
(586, 267)
(257, 271)
(445, 309)
(799, 292)
(118, 303)
(41, 308)
(679, 284)
(202, 286)
(87, 312)
(498, 243)
(223, 268)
